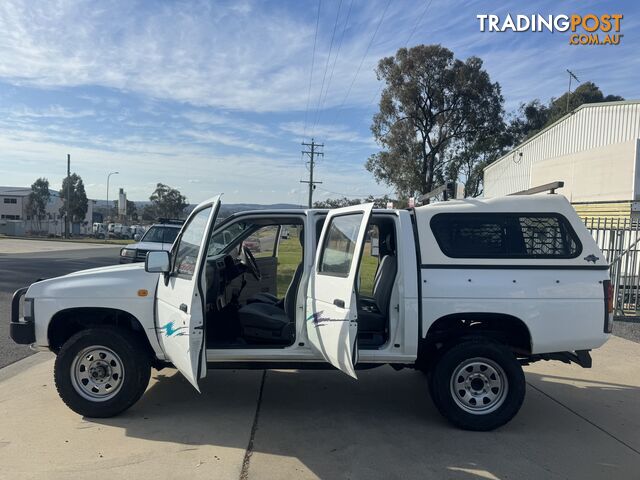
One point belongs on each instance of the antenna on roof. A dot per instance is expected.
(571, 76)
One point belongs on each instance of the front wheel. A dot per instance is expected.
(478, 385)
(100, 372)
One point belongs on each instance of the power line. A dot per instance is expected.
(406, 44)
(313, 57)
(326, 65)
(333, 67)
(365, 54)
(415, 27)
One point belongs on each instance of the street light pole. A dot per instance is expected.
(108, 177)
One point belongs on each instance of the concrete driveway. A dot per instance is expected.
(575, 423)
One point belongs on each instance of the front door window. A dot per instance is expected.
(189, 246)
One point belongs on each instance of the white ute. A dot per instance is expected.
(466, 291)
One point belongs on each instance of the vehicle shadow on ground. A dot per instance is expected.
(382, 426)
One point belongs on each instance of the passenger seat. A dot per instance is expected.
(373, 311)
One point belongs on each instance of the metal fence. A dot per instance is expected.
(619, 240)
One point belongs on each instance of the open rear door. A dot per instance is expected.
(332, 314)
(180, 297)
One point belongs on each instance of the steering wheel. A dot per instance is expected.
(250, 262)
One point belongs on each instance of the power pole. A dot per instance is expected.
(312, 154)
(571, 76)
(66, 217)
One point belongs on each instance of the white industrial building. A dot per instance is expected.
(594, 150)
(15, 219)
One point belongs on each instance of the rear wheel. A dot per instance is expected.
(100, 372)
(478, 385)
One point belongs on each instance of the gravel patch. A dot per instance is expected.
(627, 328)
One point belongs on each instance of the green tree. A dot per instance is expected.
(587, 92)
(534, 116)
(530, 119)
(379, 202)
(432, 108)
(132, 211)
(469, 159)
(78, 203)
(149, 213)
(168, 202)
(38, 200)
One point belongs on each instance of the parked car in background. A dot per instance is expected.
(137, 231)
(99, 230)
(158, 237)
(121, 231)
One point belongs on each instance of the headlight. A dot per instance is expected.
(127, 252)
(28, 308)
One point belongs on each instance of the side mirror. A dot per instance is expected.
(158, 262)
(137, 237)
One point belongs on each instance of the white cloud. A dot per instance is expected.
(209, 118)
(54, 111)
(211, 54)
(329, 132)
(215, 137)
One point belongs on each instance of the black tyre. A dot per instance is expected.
(478, 385)
(100, 372)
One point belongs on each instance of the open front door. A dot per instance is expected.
(180, 297)
(332, 314)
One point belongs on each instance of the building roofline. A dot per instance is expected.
(560, 120)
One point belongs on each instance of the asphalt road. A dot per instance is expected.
(19, 270)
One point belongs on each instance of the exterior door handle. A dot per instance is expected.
(338, 303)
(183, 307)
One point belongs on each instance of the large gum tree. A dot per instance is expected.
(435, 115)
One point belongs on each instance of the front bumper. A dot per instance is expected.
(21, 330)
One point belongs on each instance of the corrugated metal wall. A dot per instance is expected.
(590, 126)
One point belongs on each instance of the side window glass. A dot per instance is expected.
(505, 235)
(262, 243)
(221, 239)
(546, 236)
(339, 245)
(189, 245)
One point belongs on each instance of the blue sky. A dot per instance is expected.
(212, 97)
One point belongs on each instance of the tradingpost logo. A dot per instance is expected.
(587, 29)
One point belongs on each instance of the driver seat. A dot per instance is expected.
(270, 323)
(273, 323)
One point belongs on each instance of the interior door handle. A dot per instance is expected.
(183, 307)
(338, 303)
